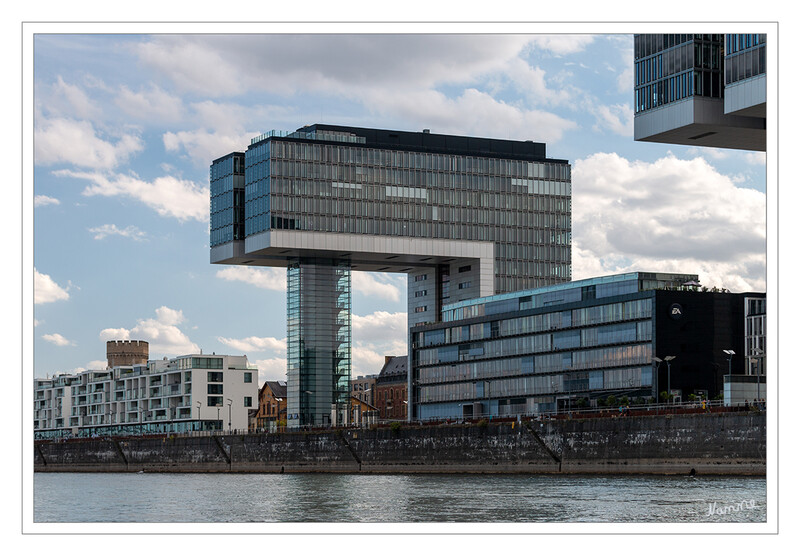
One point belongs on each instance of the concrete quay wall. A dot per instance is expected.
(719, 443)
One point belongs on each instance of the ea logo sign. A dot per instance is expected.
(675, 311)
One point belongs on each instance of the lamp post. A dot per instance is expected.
(669, 358)
(730, 353)
(658, 362)
(198, 414)
(229, 414)
(757, 354)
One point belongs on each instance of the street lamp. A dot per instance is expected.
(669, 358)
(730, 353)
(198, 414)
(229, 414)
(658, 362)
(757, 354)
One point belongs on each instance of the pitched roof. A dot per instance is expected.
(394, 368)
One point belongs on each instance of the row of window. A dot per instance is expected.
(366, 158)
(574, 383)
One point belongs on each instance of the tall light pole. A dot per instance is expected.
(198, 414)
(757, 354)
(658, 362)
(229, 414)
(669, 358)
(730, 353)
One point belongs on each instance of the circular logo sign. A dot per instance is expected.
(675, 311)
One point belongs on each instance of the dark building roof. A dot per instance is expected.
(278, 388)
(438, 143)
(395, 369)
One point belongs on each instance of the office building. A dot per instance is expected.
(463, 217)
(701, 90)
(188, 393)
(568, 345)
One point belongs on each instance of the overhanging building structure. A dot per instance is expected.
(701, 90)
(463, 217)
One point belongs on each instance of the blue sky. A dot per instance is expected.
(126, 126)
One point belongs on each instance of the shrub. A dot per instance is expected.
(395, 426)
(483, 423)
(611, 400)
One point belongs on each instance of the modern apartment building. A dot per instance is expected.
(188, 393)
(561, 346)
(463, 217)
(701, 90)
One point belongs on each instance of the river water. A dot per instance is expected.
(273, 498)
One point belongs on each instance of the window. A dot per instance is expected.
(215, 389)
(464, 285)
(214, 377)
(420, 277)
(214, 401)
(248, 401)
(248, 378)
(421, 293)
(421, 309)
(465, 268)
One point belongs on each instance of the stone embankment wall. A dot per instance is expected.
(720, 443)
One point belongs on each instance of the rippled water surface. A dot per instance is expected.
(192, 498)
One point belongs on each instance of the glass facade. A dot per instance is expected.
(669, 68)
(226, 178)
(338, 182)
(534, 351)
(745, 57)
(318, 342)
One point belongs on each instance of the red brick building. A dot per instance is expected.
(391, 389)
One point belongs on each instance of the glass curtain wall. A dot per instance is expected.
(318, 342)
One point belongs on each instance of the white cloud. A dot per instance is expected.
(375, 336)
(44, 200)
(45, 290)
(285, 64)
(203, 146)
(562, 44)
(473, 113)
(265, 278)
(57, 339)
(670, 215)
(155, 104)
(61, 140)
(756, 159)
(270, 369)
(254, 343)
(375, 284)
(617, 118)
(162, 333)
(168, 196)
(97, 364)
(132, 232)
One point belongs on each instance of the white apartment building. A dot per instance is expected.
(194, 392)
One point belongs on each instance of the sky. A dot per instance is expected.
(125, 127)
